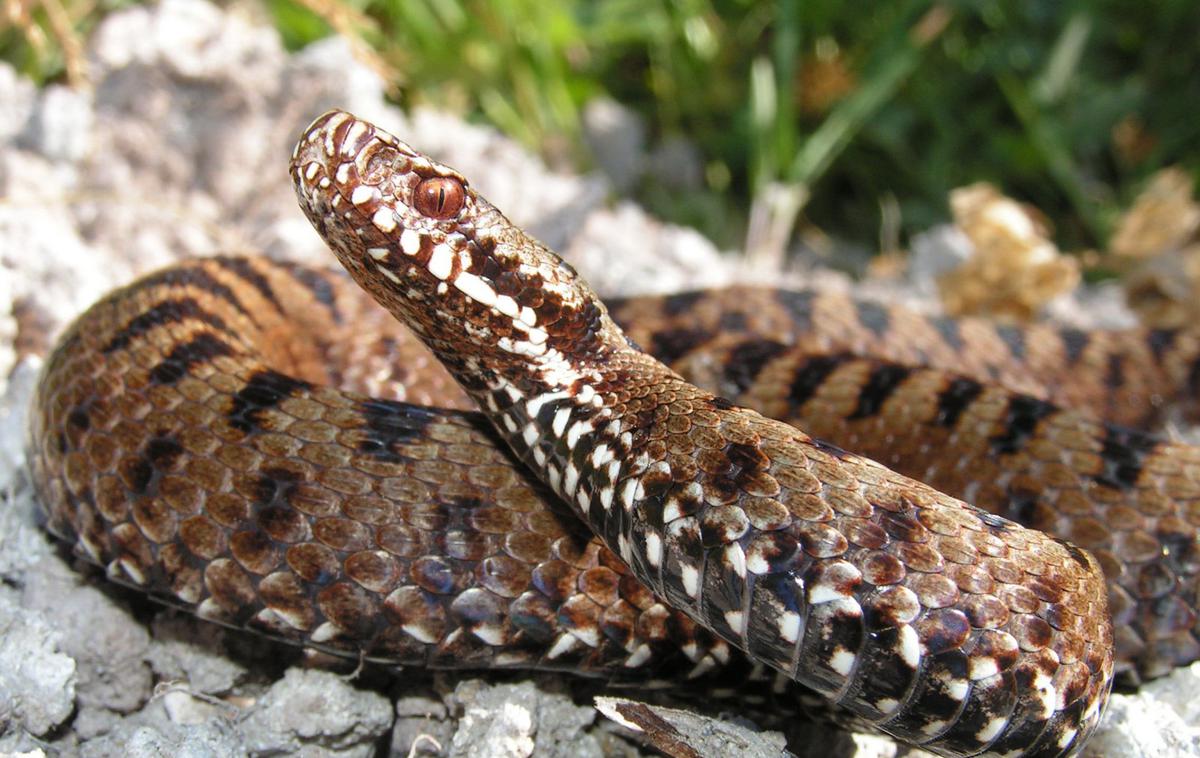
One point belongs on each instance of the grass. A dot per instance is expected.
(806, 113)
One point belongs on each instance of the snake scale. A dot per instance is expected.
(259, 442)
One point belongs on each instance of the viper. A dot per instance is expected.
(257, 442)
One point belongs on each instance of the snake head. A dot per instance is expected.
(432, 250)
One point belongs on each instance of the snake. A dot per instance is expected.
(489, 472)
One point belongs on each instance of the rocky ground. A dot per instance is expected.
(179, 149)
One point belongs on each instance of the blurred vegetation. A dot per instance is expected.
(853, 118)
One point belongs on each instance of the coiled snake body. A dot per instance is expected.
(205, 434)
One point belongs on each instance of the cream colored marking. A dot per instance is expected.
(631, 492)
(343, 175)
(691, 580)
(419, 633)
(475, 288)
(934, 727)
(325, 632)
(654, 549)
(330, 128)
(755, 563)
(842, 661)
(564, 644)
(311, 170)
(364, 194)
(736, 557)
(601, 455)
(561, 417)
(1069, 735)
(958, 689)
(350, 142)
(991, 729)
(614, 469)
(736, 621)
(384, 220)
(982, 666)
(721, 651)
(442, 289)
(639, 656)
(528, 316)
(572, 478)
(489, 634)
(534, 406)
(606, 496)
(789, 627)
(410, 242)
(378, 253)
(703, 667)
(529, 434)
(388, 273)
(577, 430)
(910, 646)
(506, 305)
(441, 262)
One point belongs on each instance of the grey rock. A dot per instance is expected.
(521, 719)
(316, 710)
(37, 681)
(59, 126)
(193, 654)
(108, 645)
(152, 733)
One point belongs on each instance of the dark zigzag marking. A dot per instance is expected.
(1020, 422)
(955, 399)
(1014, 338)
(950, 331)
(1161, 341)
(318, 284)
(166, 312)
(873, 316)
(669, 345)
(673, 305)
(1075, 341)
(810, 375)
(799, 306)
(747, 360)
(880, 385)
(265, 389)
(197, 277)
(201, 349)
(1124, 454)
(390, 422)
(241, 268)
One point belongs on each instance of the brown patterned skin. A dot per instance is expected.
(185, 438)
(934, 620)
(1128, 497)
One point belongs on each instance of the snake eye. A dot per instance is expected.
(440, 197)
